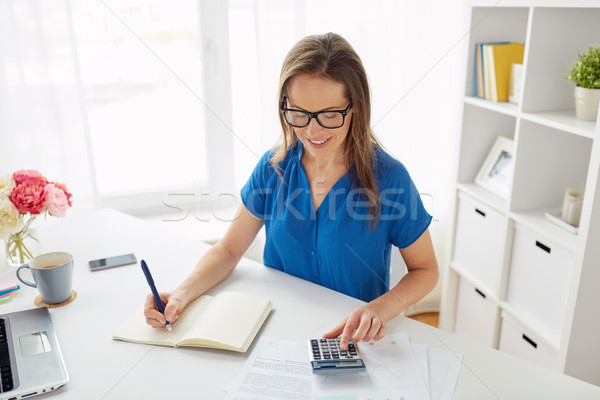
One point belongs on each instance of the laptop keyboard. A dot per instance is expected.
(5, 369)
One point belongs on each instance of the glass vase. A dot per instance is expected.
(22, 247)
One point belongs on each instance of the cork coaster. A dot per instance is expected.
(40, 303)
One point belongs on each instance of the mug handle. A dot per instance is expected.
(23, 280)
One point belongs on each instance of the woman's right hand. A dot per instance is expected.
(174, 302)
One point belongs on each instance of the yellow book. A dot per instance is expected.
(502, 57)
(228, 320)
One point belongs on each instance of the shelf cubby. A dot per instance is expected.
(547, 162)
(557, 36)
(494, 24)
(481, 128)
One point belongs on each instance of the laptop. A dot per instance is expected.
(30, 359)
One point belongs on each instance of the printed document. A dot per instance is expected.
(396, 369)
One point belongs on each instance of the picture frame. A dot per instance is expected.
(496, 173)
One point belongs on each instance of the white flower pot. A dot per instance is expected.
(586, 103)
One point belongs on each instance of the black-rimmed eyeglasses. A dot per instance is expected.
(329, 119)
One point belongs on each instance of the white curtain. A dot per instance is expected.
(42, 121)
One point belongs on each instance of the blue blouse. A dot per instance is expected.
(335, 246)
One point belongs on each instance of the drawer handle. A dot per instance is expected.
(480, 293)
(531, 342)
(478, 211)
(543, 247)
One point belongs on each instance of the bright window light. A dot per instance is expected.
(141, 69)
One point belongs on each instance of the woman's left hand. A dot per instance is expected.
(363, 323)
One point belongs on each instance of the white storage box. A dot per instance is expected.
(479, 242)
(520, 342)
(538, 286)
(476, 314)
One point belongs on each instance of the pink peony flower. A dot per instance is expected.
(64, 189)
(57, 200)
(29, 177)
(29, 198)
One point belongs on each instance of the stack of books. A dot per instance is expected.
(8, 288)
(493, 62)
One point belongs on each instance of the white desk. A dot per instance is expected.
(102, 368)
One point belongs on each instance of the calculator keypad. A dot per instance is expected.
(329, 349)
(326, 357)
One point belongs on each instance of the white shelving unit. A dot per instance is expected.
(516, 281)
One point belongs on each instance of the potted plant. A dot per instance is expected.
(586, 75)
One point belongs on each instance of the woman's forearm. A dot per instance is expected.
(412, 287)
(214, 267)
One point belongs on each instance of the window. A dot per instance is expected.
(142, 72)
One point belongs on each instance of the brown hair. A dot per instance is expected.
(330, 55)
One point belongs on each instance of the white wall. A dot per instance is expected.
(422, 128)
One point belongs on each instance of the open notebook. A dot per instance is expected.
(229, 320)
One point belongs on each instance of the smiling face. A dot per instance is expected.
(314, 93)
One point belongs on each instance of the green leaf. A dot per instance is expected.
(586, 69)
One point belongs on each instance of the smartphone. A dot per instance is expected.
(110, 262)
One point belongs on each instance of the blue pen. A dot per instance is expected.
(157, 298)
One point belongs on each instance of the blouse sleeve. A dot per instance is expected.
(255, 190)
(402, 206)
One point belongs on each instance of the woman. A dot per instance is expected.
(332, 201)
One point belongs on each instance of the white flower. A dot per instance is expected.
(11, 221)
(7, 184)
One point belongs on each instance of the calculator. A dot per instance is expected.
(327, 357)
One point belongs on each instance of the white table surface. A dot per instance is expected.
(103, 368)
